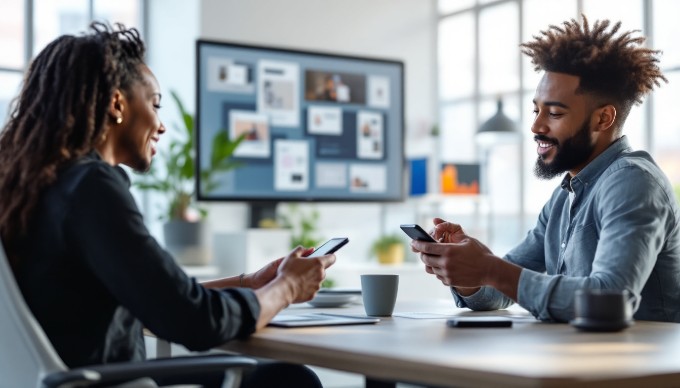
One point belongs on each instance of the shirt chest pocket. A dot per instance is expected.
(580, 251)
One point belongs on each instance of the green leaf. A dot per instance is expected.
(174, 168)
(223, 148)
(186, 117)
(303, 225)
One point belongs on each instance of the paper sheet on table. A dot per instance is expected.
(423, 315)
(426, 315)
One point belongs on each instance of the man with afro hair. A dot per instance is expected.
(612, 224)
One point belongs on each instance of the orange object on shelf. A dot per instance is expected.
(453, 182)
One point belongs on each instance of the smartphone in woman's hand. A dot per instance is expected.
(329, 246)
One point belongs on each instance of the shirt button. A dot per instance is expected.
(564, 244)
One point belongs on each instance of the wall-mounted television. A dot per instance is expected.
(318, 126)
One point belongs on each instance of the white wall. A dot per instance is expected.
(394, 29)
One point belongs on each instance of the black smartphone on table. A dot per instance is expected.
(479, 322)
(330, 246)
(416, 232)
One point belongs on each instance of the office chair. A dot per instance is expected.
(27, 358)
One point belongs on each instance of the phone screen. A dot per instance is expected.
(416, 232)
(329, 246)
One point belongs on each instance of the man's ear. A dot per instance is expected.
(117, 107)
(603, 118)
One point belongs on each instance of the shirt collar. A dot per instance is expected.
(593, 169)
(94, 154)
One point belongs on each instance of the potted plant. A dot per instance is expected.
(389, 249)
(303, 225)
(183, 228)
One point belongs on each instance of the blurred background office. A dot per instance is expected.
(461, 57)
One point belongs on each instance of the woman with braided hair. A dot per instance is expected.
(86, 265)
(612, 224)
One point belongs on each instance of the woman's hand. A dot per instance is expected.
(297, 279)
(304, 274)
(267, 273)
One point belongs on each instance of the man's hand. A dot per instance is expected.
(458, 264)
(467, 264)
(448, 232)
(445, 232)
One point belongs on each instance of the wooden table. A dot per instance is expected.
(426, 351)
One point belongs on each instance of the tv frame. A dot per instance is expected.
(264, 204)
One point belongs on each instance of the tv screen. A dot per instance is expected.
(317, 126)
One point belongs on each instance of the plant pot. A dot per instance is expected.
(394, 254)
(186, 242)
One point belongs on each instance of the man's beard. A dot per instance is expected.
(569, 155)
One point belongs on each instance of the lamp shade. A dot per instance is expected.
(498, 129)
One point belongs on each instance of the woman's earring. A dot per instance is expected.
(119, 120)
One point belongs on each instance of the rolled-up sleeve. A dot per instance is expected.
(485, 299)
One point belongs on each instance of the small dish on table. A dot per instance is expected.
(335, 297)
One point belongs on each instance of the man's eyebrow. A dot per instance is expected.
(553, 103)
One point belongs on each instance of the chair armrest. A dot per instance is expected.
(165, 367)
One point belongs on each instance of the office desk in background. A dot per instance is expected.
(426, 351)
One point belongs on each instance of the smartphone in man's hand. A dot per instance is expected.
(330, 246)
(416, 232)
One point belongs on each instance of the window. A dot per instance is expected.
(11, 35)
(457, 87)
(127, 12)
(498, 52)
(13, 53)
(446, 6)
(50, 19)
(53, 18)
(456, 140)
(10, 81)
(456, 53)
(629, 12)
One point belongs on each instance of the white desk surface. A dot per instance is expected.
(426, 351)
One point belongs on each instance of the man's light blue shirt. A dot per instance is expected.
(615, 225)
